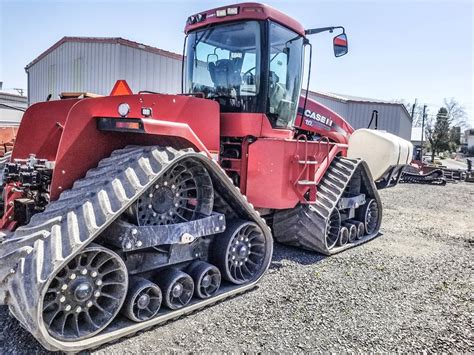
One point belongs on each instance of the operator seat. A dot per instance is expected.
(280, 106)
(224, 73)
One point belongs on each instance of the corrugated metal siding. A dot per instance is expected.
(405, 125)
(336, 105)
(392, 118)
(10, 118)
(148, 71)
(95, 67)
(13, 100)
(360, 114)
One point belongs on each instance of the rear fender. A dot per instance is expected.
(41, 129)
(176, 121)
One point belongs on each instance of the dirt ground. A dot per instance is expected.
(408, 290)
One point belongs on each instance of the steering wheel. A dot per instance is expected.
(249, 74)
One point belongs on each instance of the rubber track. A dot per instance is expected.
(30, 259)
(305, 225)
(435, 177)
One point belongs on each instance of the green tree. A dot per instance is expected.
(438, 133)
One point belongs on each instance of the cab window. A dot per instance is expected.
(284, 82)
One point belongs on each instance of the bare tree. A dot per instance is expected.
(456, 113)
(417, 114)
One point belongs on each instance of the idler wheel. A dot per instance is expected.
(241, 253)
(332, 229)
(369, 215)
(184, 193)
(206, 277)
(143, 300)
(360, 230)
(352, 231)
(177, 288)
(343, 236)
(86, 295)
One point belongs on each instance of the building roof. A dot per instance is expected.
(108, 40)
(359, 99)
(12, 97)
(13, 101)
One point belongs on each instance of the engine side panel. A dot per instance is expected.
(273, 167)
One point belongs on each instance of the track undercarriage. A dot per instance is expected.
(149, 235)
(347, 212)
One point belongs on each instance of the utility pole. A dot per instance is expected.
(422, 132)
(20, 91)
(413, 110)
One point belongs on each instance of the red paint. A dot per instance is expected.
(339, 131)
(65, 131)
(250, 124)
(10, 194)
(271, 162)
(41, 128)
(273, 169)
(248, 11)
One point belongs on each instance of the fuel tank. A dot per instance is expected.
(380, 149)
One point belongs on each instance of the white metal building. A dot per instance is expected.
(89, 64)
(11, 109)
(393, 116)
(468, 139)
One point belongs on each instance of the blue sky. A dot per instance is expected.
(398, 49)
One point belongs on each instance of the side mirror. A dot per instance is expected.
(340, 45)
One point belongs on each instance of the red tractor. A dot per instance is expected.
(125, 211)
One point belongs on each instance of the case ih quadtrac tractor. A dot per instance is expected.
(125, 211)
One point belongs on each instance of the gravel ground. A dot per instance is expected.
(408, 290)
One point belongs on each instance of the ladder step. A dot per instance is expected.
(312, 162)
(306, 182)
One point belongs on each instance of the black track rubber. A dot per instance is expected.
(305, 226)
(412, 176)
(36, 252)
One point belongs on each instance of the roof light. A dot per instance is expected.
(221, 13)
(232, 11)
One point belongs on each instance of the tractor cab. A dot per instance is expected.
(245, 62)
(249, 58)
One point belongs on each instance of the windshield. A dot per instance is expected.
(223, 63)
